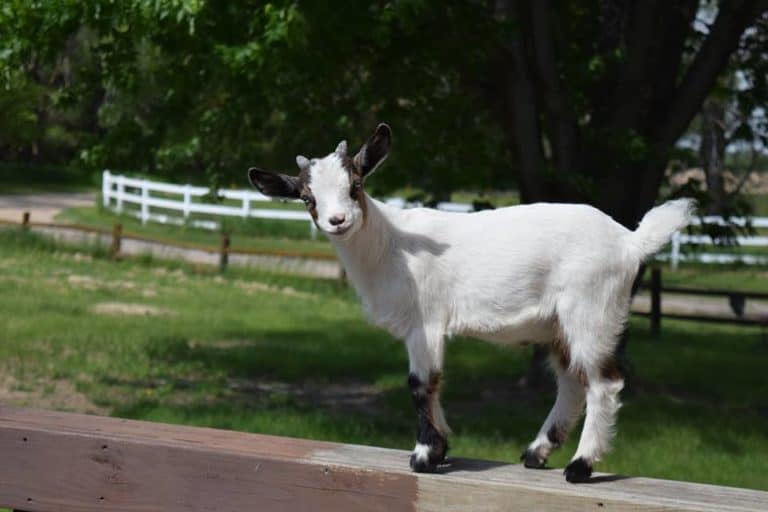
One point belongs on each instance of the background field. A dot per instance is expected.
(291, 356)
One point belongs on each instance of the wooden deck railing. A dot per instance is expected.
(51, 461)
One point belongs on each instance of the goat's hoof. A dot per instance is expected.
(438, 451)
(422, 465)
(578, 471)
(531, 460)
(426, 458)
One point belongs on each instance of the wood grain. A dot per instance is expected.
(63, 462)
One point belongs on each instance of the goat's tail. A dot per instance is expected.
(658, 225)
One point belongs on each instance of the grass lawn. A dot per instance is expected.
(252, 234)
(293, 356)
(748, 278)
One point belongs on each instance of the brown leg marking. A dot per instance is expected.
(423, 395)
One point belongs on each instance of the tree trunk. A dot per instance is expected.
(712, 153)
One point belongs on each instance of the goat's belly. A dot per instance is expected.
(518, 335)
(523, 325)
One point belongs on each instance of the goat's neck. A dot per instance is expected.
(363, 253)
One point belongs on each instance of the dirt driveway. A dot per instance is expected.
(42, 207)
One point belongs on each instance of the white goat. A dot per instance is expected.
(556, 274)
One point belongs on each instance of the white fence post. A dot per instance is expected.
(246, 204)
(144, 201)
(187, 200)
(120, 193)
(674, 256)
(106, 187)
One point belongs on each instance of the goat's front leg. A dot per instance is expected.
(425, 353)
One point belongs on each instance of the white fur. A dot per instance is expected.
(329, 183)
(421, 451)
(523, 273)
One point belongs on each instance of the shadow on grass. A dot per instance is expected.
(347, 383)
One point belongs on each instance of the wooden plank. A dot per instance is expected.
(714, 292)
(748, 321)
(70, 463)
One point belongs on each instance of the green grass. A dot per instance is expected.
(252, 234)
(760, 204)
(751, 278)
(275, 354)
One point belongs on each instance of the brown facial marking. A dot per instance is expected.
(356, 182)
(306, 194)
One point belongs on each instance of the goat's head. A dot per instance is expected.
(332, 186)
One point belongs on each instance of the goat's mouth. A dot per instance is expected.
(340, 230)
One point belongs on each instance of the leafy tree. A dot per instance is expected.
(573, 101)
(598, 94)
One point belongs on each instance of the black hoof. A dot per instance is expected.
(422, 465)
(532, 461)
(437, 452)
(578, 471)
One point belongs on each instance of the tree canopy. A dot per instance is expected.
(569, 100)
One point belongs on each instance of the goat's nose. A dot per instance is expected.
(337, 219)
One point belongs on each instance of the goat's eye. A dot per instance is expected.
(307, 200)
(355, 187)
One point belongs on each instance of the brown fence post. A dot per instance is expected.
(25, 220)
(117, 236)
(655, 301)
(224, 253)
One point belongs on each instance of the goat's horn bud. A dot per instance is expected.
(302, 162)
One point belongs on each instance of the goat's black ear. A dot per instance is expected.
(274, 184)
(375, 151)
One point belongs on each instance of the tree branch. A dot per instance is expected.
(723, 39)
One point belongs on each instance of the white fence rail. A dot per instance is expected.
(117, 190)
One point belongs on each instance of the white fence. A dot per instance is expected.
(121, 190)
(675, 256)
(117, 190)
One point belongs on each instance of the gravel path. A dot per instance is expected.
(698, 305)
(42, 207)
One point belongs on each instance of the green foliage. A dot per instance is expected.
(199, 91)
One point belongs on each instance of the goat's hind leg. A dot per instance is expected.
(426, 361)
(603, 386)
(568, 407)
